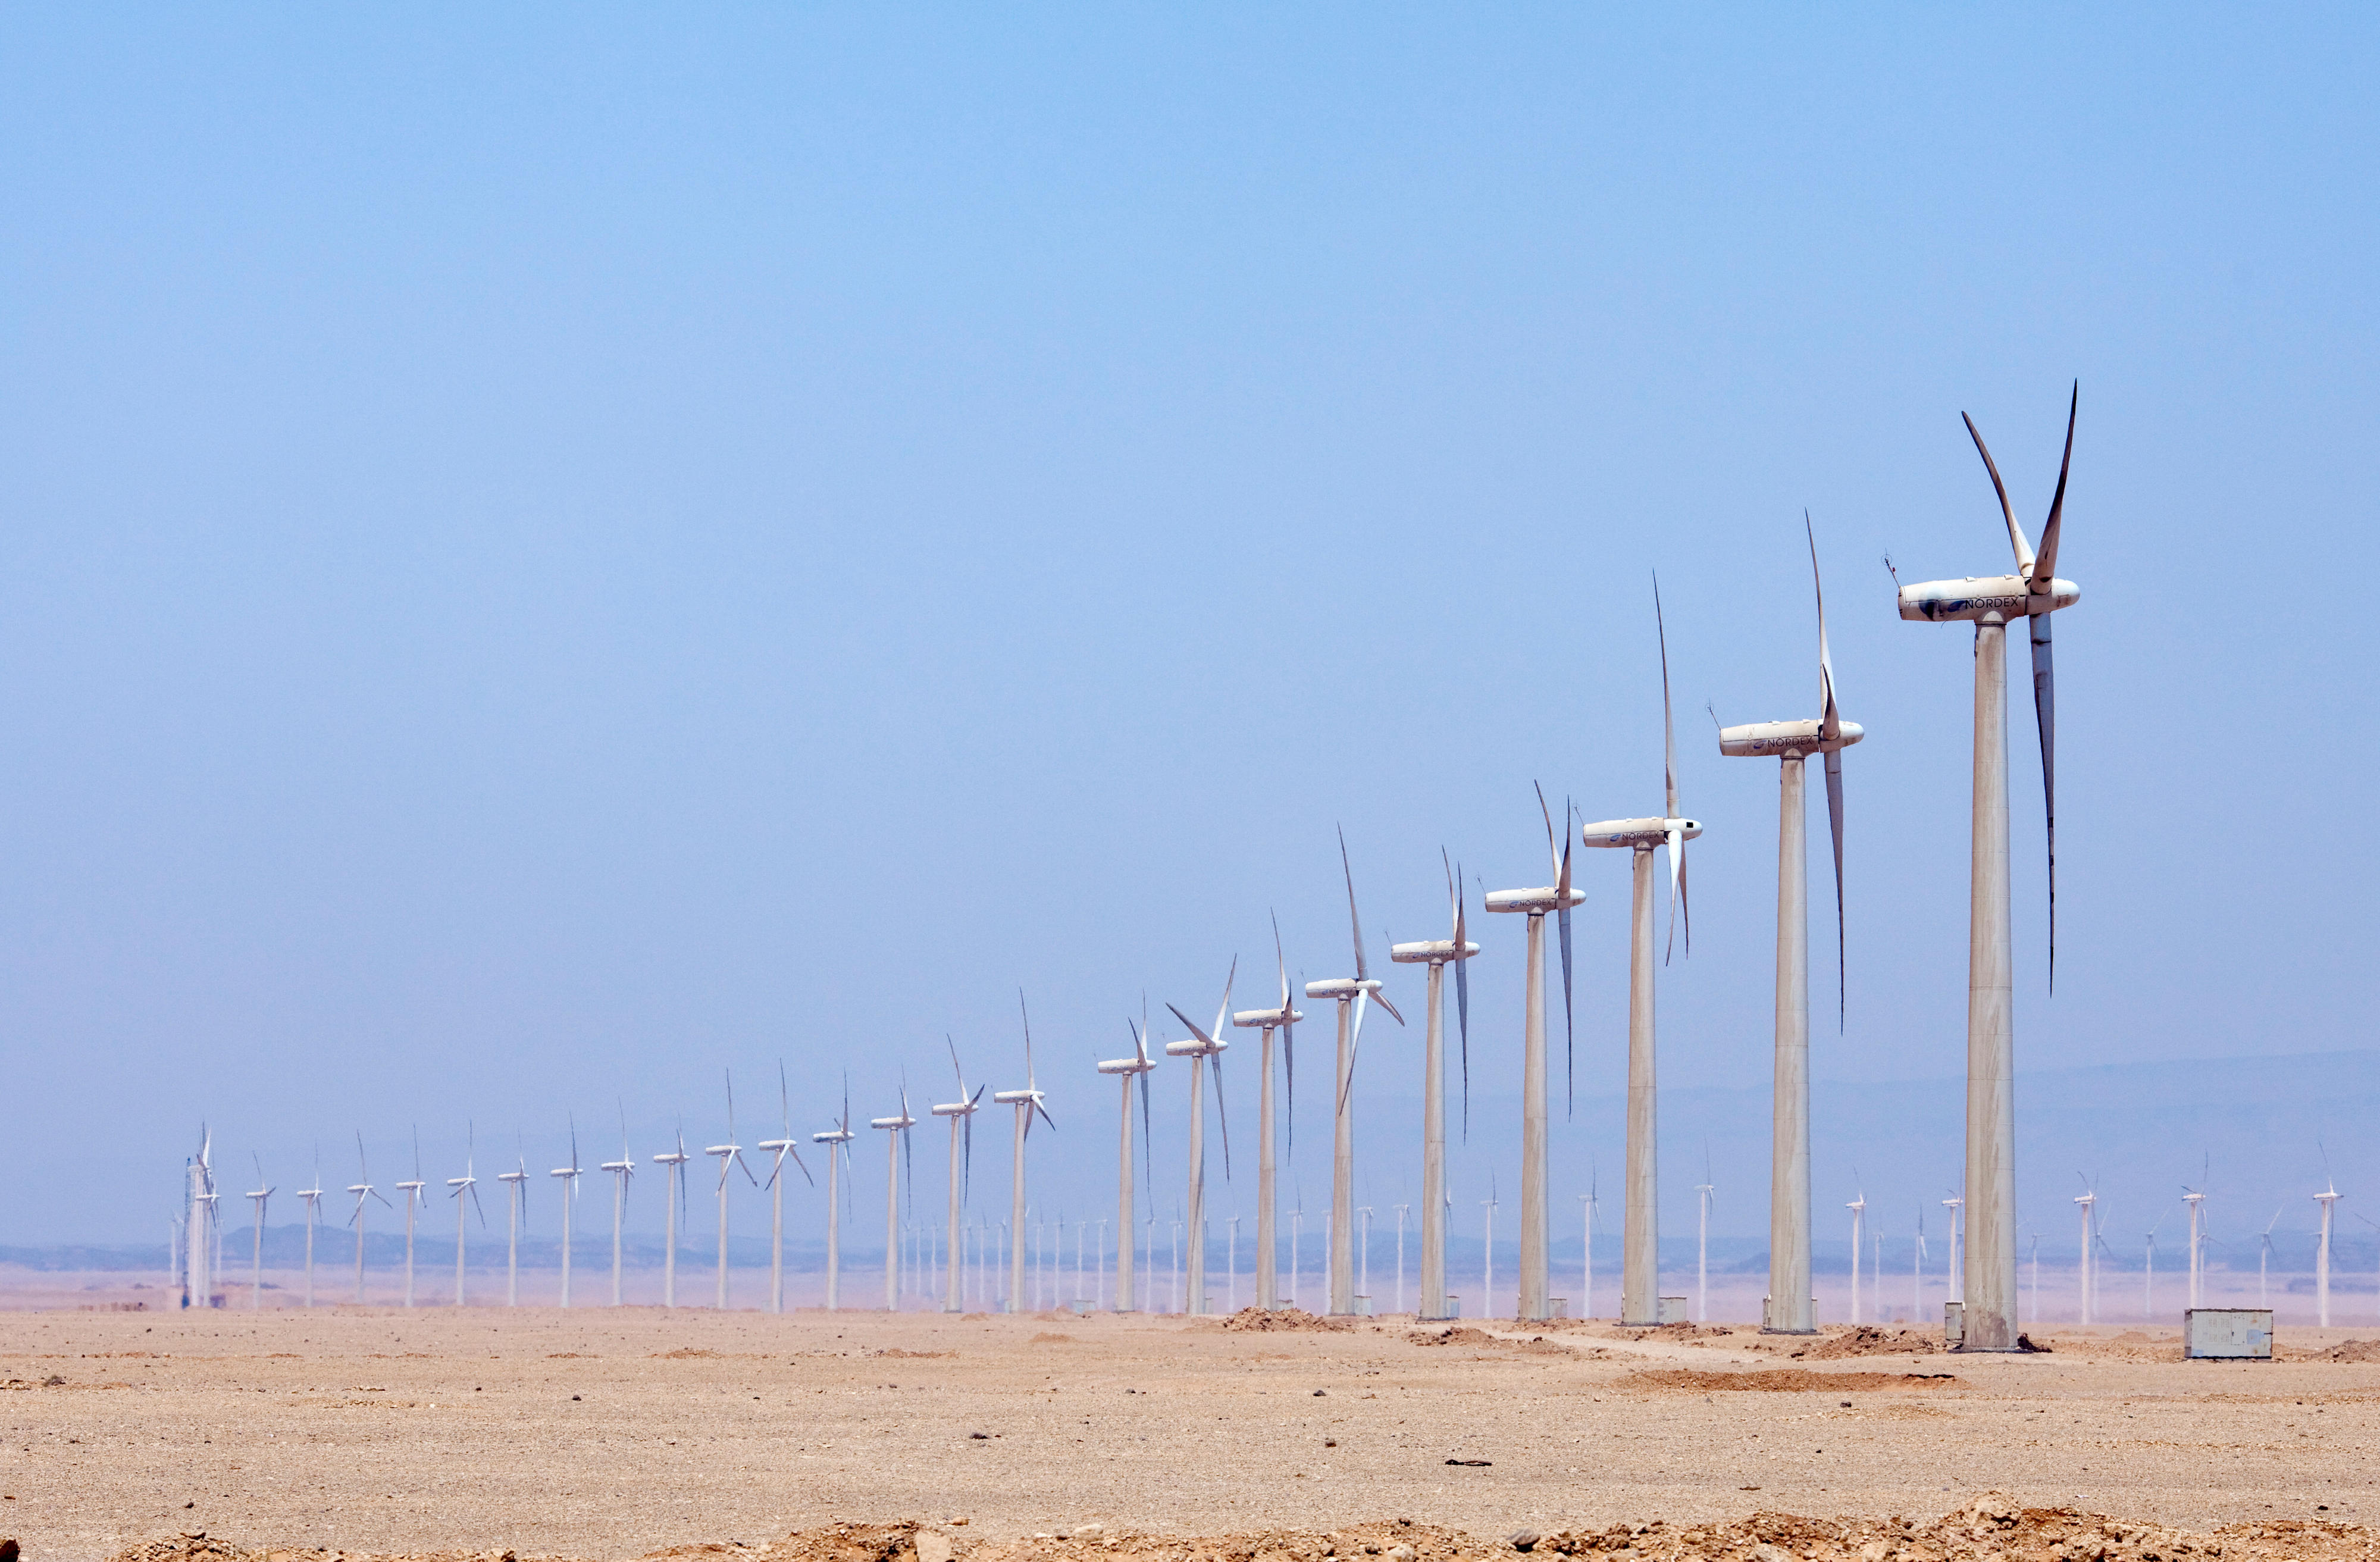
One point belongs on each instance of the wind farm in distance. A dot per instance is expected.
(1362, 784)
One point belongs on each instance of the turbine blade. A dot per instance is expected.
(2045, 565)
(1835, 825)
(1553, 859)
(1830, 716)
(1669, 727)
(1354, 1048)
(1289, 1066)
(1382, 999)
(2045, 712)
(1569, 1045)
(2016, 535)
(1193, 1024)
(1223, 1115)
(1462, 1002)
(1223, 1009)
(1678, 911)
(1284, 959)
(1355, 921)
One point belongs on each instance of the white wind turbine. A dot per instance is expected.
(1207, 1050)
(1533, 1302)
(781, 1147)
(673, 1164)
(2085, 1200)
(515, 1214)
(1488, 1254)
(1129, 1070)
(731, 1158)
(2196, 1200)
(466, 1183)
(1350, 993)
(2032, 593)
(1437, 954)
(363, 1190)
(1640, 1269)
(962, 1116)
(896, 1147)
(199, 1245)
(2264, 1257)
(413, 1196)
(624, 1171)
(1028, 1103)
(1792, 742)
(837, 1141)
(1859, 1225)
(570, 1175)
(1284, 1019)
(261, 1193)
(2326, 1198)
(1703, 1191)
(313, 1197)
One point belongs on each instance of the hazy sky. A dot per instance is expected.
(551, 554)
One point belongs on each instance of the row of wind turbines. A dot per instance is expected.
(2032, 593)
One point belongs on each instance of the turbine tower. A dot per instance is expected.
(2326, 1198)
(363, 1190)
(413, 1196)
(624, 1171)
(2083, 1270)
(1207, 1050)
(1028, 1103)
(1284, 1020)
(731, 1158)
(198, 1244)
(261, 1193)
(781, 1147)
(466, 1183)
(570, 1175)
(835, 1139)
(1859, 1228)
(1640, 1230)
(1351, 993)
(673, 1164)
(962, 1116)
(1789, 1176)
(1137, 1067)
(1437, 954)
(516, 1208)
(896, 1145)
(2032, 593)
(313, 1197)
(1533, 1303)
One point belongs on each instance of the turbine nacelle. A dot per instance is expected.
(834, 1135)
(1344, 988)
(2005, 597)
(1125, 1066)
(771, 1145)
(1761, 739)
(1016, 1098)
(953, 1109)
(1250, 1019)
(1535, 902)
(903, 1121)
(1193, 1048)
(1642, 834)
(1438, 951)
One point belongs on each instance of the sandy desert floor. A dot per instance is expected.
(613, 1434)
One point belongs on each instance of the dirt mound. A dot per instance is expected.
(1256, 1320)
(1867, 1341)
(1675, 1331)
(687, 1353)
(1454, 1334)
(194, 1547)
(896, 1353)
(852, 1543)
(2347, 1350)
(1047, 1337)
(1791, 1380)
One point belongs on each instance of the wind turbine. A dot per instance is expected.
(261, 1193)
(1488, 1255)
(1437, 954)
(2032, 593)
(962, 1116)
(413, 1196)
(1789, 1178)
(1703, 1191)
(781, 1147)
(199, 1277)
(1205, 1052)
(1129, 1070)
(2263, 1258)
(516, 1213)
(2196, 1200)
(673, 1164)
(1285, 1018)
(1640, 1269)
(1028, 1103)
(1859, 1225)
(466, 1183)
(570, 1175)
(731, 1157)
(896, 1145)
(836, 1139)
(2087, 1199)
(2326, 1198)
(363, 1190)
(313, 1197)
(1533, 1303)
(1350, 993)
(624, 1171)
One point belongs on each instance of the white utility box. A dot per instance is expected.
(1557, 1307)
(2227, 1333)
(1954, 1324)
(1673, 1309)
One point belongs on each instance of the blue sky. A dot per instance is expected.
(553, 554)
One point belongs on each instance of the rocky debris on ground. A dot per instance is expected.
(1990, 1527)
(2345, 1350)
(1787, 1380)
(1866, 1339)
(1259, 1321)
(1463, 1333)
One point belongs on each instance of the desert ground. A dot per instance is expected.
(606, 1434)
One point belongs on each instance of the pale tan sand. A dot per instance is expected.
(610, 1435)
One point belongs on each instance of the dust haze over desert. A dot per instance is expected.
(878, 784)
